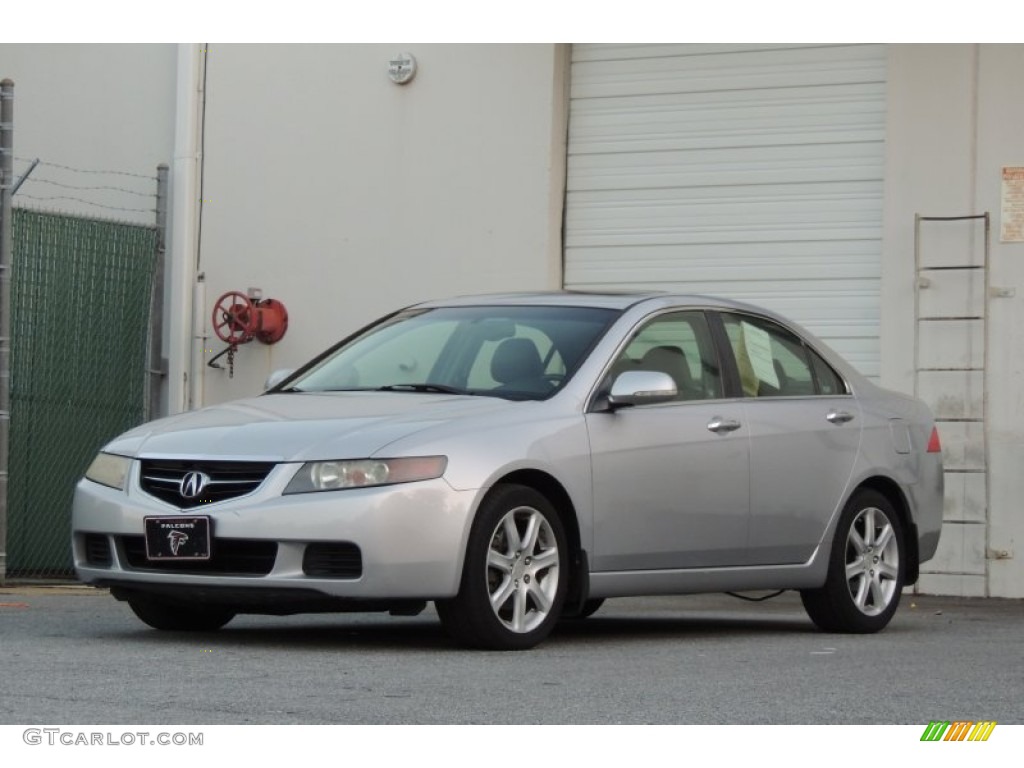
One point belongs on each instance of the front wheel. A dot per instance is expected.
(866, 569)
(515, 574)
(174, 617)
(589, 608)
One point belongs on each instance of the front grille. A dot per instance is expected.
(223, 480)
(244, 557)
(333, 559)
(97, 550)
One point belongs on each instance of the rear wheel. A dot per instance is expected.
(866, 569)
(174, 617)
(514, 578)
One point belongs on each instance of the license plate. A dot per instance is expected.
(178, 538)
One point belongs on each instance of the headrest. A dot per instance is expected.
(516, 359)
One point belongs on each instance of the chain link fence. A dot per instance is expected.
(80, 332)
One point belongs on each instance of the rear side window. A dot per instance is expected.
(829, 382)
(772, 361)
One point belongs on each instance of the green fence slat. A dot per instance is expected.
(80, 319)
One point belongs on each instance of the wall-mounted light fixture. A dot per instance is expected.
(402, 68)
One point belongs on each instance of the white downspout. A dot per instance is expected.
(184, 380)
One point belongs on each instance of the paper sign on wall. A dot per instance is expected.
(1012, 220)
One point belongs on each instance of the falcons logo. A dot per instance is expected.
(177, 539)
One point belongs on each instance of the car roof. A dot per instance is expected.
(620, 300)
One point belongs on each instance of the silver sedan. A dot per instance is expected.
(519, 459)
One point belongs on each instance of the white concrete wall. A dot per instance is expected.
(93, 107)
(346, 196)
(1001, 143)
(956, 117)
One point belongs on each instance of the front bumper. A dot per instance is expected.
(411, 539)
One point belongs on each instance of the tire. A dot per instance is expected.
(866, 569)
(590, 607)
(174, 617)
(515, 574)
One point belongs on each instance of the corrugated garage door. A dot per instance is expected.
(753, 172)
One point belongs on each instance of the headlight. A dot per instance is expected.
(109, 469)
(363, 473)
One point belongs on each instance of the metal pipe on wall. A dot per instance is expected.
(183, 237)
(157, 361)
(199, 341)
(199, 334)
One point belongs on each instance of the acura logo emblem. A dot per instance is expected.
(192, 484)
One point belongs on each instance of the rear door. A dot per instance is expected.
(805, 431)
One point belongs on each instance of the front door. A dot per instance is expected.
(671, 480)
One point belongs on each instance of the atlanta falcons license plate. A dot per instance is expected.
(178, 538)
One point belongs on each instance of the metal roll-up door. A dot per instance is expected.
(748, 171)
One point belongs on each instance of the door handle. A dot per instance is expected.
(839, 417)
(721, 426)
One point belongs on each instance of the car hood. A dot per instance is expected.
(303, 426)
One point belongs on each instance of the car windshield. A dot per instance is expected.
(514, 352)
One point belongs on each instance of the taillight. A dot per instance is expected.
(934, 446)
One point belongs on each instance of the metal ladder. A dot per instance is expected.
(950, 362)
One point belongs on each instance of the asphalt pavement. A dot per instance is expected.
(74, 655)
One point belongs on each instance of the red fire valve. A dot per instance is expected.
(237, 319)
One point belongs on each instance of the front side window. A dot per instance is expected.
(515, 352)
(680, 345)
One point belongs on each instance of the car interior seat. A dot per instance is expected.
(672, 360)
(516, 365)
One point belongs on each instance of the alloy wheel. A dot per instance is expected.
(522, 569)
(872, 561)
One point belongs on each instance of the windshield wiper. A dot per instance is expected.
(440, 388)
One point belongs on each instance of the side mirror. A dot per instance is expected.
(641, 388)
(277, 377)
